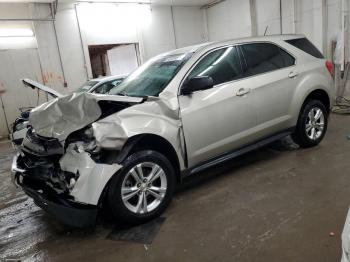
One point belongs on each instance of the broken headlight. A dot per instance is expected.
(83, 140)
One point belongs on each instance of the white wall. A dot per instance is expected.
(158, 36)
(70, 45)
(189, 25)
(17, 64)
(52, 74)
(288, 17)
(268, 16)
(229, 19)
(155, 29)
(309, 21)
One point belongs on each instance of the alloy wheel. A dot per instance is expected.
(315, 123)
(144, 187)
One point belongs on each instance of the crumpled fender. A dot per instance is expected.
(92, 179)
(157, 116)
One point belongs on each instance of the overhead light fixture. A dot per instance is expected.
(116, 1)
(16, 32)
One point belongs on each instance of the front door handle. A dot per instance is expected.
(243, 91)
(293, 74)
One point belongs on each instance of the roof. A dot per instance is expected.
(195, 48)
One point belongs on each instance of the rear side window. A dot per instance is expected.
(264, 57)
(222, 65)
(305, 45)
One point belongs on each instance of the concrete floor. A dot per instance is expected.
(276, 204)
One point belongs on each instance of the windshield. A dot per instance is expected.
(151, 78)
(86, 87)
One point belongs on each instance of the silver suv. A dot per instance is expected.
(179, 113)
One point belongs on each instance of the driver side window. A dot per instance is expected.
(222, 65)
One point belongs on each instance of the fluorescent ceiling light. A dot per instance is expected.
(116, 1)
(16, 32)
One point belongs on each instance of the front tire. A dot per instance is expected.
(312, 124)
(143, 188)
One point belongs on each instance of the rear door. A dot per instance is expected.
(217, 120)
(273, 74)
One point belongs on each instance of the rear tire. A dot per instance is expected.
(142, 189)
(312, 124)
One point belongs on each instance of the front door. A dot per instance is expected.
(220, 119)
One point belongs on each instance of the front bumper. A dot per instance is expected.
(65, 210)
(79, 215)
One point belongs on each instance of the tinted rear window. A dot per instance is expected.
(305, 45)
(264, 57)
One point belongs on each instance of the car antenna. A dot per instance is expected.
(266, 30)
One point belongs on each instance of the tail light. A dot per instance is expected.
(330, 68)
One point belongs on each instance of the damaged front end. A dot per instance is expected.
(66, 177)
(65, 182)
(75, 144)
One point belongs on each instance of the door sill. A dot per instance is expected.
(235, 153)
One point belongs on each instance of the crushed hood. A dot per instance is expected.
(62, 116)
(35, 85)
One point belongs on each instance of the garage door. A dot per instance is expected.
(15, 65)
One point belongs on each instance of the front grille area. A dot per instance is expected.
(40, 158)
(45, 171)
(41, 146)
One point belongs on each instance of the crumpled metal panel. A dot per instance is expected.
(62, 116)
(93, 177)
(157, 116)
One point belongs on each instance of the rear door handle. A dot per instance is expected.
(293, 74)
(243, 91)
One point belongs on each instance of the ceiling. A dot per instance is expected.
(155, 2)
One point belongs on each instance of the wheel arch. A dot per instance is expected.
(151, 142)
(142, 142)
(321, 95)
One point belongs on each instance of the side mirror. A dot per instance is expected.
(197, 83)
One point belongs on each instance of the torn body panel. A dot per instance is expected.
(156, 116)
(92, 176)
(68, 119)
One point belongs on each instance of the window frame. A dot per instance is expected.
(212, 51)
(245, 61)
(318, 55)
(241, 56)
